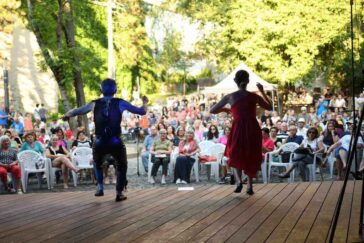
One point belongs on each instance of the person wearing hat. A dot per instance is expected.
(107, 117)
(301, 129)
(30, 143)
(304, 115)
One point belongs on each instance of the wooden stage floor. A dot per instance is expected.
(211, 213)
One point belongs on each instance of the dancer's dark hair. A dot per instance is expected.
(241, 77)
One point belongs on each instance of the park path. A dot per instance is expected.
(29, 84)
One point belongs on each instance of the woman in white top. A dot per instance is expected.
(303, 156)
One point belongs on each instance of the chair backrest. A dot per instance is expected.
(289, 147)
(205, 147)
(31, 160)
(218, 151)
(82, 156)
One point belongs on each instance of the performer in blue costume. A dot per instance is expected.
(107, 117)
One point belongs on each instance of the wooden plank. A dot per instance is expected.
(14, 221)
(265, 229)
(76, 212)
(308, 217)
(344, 218)
(189, 217)
(190, 232)
(146, 224)
(224, 233)
(37, 202)
(238, 211)
(282, 231)
(103, 226)
(353, 235)
(240, 229)
(322, 223)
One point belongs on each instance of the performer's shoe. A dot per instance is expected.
(283, 176)
(239, 187)
(120, 198)
(249, 191)
(99, 193)
(232, 179)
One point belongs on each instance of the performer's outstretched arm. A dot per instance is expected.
(219, 107)
(79, 111)
(124, 105)
(264, 101)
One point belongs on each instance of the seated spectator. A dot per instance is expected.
(275, 117)
(301, 129)
(148, 142)
(212, 134)
(161, 151)
(28, 124)
(15, 142)
(329, 135)
(18, 126)
(9, 163)
(267, 142)
(224, 167)
(43, 137)
(292, 136)
(312, 114)
(171, 135)
(283, 131)
(273, 136)
(60, 159)
(312, 145)
(61, 137)
(304, 115)
(187, 149)
(341, 149)
(340, 102)
(81, 141)
(30, 143)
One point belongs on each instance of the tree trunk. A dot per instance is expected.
(71, 44)
(55, 68)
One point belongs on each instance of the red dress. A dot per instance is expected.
(244, 146)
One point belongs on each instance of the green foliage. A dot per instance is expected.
(284, 41)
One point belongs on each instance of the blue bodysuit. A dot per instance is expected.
(107, 117)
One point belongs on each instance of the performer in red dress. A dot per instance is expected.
(244, 146)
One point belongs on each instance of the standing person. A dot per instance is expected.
(43, 113)
(4, 116)
(107, 116)
(28, 124)
(36, 112)
(244, 147)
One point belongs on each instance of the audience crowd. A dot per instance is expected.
(170, 135)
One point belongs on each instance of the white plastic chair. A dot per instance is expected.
(205, 149)
(268, 158)
(33, 162)
(216, 150)
(82, 159)
(52, 173)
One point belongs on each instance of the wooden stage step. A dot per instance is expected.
(299, 212)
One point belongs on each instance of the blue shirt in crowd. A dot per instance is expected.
(19, 127)
(296, 139)
(148, 141)
(3, 121)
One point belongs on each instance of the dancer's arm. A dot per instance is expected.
(79, 111)
(219, 107)
(264, 101)
(124, 105)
